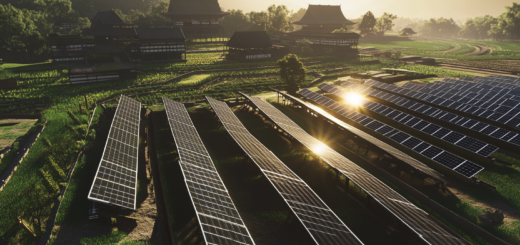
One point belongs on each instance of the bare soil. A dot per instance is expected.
(510, 213)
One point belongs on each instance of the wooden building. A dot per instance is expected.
(406, 32)
(110, 35)
(199, 19)
(253, 45)
(318, 25)
(101, 73)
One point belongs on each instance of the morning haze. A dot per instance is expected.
(459, 9)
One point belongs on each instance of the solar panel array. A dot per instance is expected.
(412, 216)
(483, 97)
(515, 81)
(455, 163)
(451, 137)
(321, 223)
(218, 217)
(495, 132)
(116, 178)
(378, 143)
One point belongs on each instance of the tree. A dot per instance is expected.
(367, 24)
(304, 46)
(441, 27)
(478, 27)
(507, 24)
(384, 23)
(292, 72)
(296, 16)
(237, 20)
(279, 18)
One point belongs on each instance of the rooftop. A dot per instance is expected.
(195, 7)
(324, 15)
(108, 17)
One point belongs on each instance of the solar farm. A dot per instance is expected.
(252, 139)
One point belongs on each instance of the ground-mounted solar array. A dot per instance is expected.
(446, 159)
(317, 218)
(502, 134)
(415, 218)
(451, 137)
(378, 143)
(218, 217)
(116, 178)
(485, 97)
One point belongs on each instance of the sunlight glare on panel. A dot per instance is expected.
(353, 98)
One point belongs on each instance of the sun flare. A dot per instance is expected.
(353, 98)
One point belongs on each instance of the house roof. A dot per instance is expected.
(409, 31)
(108, 17)
(195, 7)
(250, 39)
(160, 33)
(324, 15)
(103, 30)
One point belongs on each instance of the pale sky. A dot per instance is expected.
(457, 9)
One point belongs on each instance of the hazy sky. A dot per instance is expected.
(457, 9)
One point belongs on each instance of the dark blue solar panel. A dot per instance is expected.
(422, 124)
(508, 136)
(384, 130)
(399, 137)
(448, 160)
(374, 125)
(412, 121)
(405, 118)
(489, 129)
(412, 142)
(500, 133)
(468, 169)
(487, 150)
(441, 133)
(430, 129)
(393, 114)
(431, 152)
(479, 126)
(486, 114)
(461, 121)
(448, 117)
(453, 137)
(470, 123)
(420, 147)
(515, 140)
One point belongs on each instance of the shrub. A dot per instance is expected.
(74, 131)
(76, 119)
(83, 129)
(49, 182)
(57, 170)
(47, 142)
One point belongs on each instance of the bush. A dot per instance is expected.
(76, 119)
(49, 182)
(74, 131)
(57, 170)
(47, 142)
(83, 129)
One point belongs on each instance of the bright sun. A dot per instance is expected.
(353, 98)
(318, 148)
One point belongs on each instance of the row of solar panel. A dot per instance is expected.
(479, 94)
(455, 163)
(434, 130)
(219, 219)
(390, 150)
(115, 180)
(506, 80)
(495, 116)
(490, 130)
(317, 218)
(409, 214)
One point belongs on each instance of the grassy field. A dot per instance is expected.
(12, 129)
(194, 79)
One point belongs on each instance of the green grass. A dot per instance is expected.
(194, 79)
(114, 238)
(502, 45)
(8, 133)
(64, 148)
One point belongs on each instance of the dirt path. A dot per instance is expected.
(510, 213)
(446, 51)
(480, 50)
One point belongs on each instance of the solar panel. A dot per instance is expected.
(405, 139)
(317, 218)
(218, 217)
(482, 127)
(413, 217)
(410, 120)
(115, 181)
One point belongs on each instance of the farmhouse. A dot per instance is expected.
(110, 35)
(199, 19)
(318, 25)
(253, 45)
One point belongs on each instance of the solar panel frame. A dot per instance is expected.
(369, 184)
(316, 217)
(103, 187)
